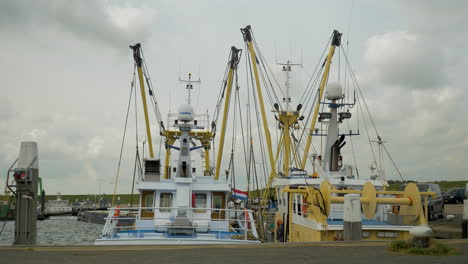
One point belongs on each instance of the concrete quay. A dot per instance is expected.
(332, 252)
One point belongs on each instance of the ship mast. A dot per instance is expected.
(287, 69)
(189, 86)
(287, 119)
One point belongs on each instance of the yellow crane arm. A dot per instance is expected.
(138, 61)
(336, 42)
(234, 61)
(248, 38)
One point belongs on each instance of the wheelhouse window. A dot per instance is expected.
(165, 201)
(199, 201)
(298, 204)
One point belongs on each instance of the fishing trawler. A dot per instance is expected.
(181, 206)
(310, 190)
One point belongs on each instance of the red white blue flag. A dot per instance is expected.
(238, 194)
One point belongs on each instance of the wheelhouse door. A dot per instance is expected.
(218, 202)
(147, 200)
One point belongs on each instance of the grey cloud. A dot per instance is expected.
(403, 58)
(441, 17)
(415, 78)
(87, 20)
(74, 95)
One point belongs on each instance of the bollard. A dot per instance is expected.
(352, 221)
(421, 235)
(465, 215)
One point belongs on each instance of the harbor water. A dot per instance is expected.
(58, 230)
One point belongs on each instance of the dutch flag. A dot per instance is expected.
(238, 194)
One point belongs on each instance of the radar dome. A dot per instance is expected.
(334, 91)
(186, 113)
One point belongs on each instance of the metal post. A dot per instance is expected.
(352, 225)
(465, 214)
(26, 176)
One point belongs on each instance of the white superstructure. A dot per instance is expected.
(185, 206)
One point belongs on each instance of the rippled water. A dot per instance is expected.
(58, 230)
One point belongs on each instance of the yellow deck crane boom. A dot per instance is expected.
(247, 33)
(139, 63)
(233, 63)
(336, 42)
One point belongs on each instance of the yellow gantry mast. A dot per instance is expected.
(336, 42)
(139, 61)
(233, 62)
(287, 120)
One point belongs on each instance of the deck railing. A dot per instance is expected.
(240, 223)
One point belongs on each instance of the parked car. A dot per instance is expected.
(435, 206)
(456, 195)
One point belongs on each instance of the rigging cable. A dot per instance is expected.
(367, 130)
(265, 67)
(360, 91)
(302, 100)
(249, 129)
(123, 137)
(242, 128)
(309, 114)
(399, 173)
(352, 149)
(221, 93)
(154, 103)
(137, 157)
(233, 142)
(368, 111)
(260, 138)
(137, 161)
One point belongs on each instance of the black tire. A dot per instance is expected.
(430, 214)
(442, 214)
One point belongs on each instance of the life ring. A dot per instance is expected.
(117, 211)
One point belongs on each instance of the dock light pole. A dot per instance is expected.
(24, 187)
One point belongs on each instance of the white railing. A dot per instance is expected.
(240, 222)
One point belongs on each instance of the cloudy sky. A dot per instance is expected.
(66, 68)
